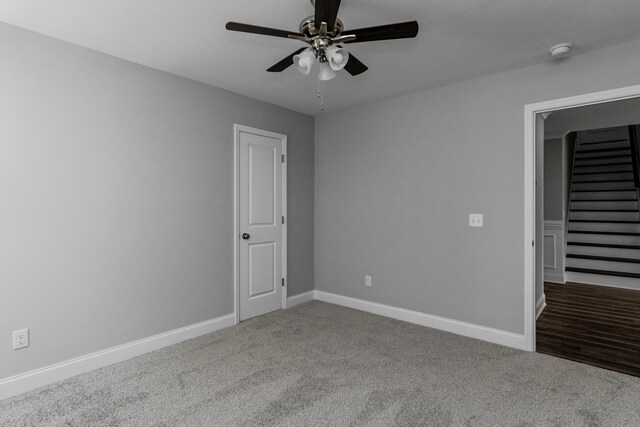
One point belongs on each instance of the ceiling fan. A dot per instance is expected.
(325, 34)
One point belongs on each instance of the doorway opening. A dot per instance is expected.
(569, 217)
(533, 115)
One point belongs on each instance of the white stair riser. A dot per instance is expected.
(603, 177)
(582, 148)
(604, 238)
(605, 216)
(603, 168)
(603, 265)
(607, 160)
(599, 154)
(605, 195)
(599, 251)
(602, 280)
(595, 186)
(600, 206)
(611, 227)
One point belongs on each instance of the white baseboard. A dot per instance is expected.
(553, 278)
(300, 298)
(484, 333)
(602, 280)
(540, 305)
(22, 383)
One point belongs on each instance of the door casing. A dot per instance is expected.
(530, 113)
(237, 129)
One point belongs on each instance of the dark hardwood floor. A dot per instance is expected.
(591, 324)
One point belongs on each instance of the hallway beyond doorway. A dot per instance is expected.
(591, 324)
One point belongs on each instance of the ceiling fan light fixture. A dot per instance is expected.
(326, 72)
(325, 33)
(337, 57)
(304, 60)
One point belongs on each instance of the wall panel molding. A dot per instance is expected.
(554, 250)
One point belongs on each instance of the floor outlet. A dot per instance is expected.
(20, 339)
(367, 280)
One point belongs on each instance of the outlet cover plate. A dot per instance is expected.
(476, 220)
(20, 339)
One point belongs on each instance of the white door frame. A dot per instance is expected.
(530, 112)
(236, 212)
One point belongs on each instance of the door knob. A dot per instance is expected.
(246, 236)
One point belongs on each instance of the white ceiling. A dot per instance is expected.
(458, 40)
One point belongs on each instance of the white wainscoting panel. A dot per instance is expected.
(554, 251)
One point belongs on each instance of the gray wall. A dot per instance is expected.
(394, 190)
(553, 185)
(116, 184)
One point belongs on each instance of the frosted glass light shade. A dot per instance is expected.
(304, 60)
(326, 73)
(337, 57)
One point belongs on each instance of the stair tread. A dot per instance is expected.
(601, 191)
(603, 210)
(602, 142)
(604, 245)
(610, 233)
(604, 258)
(625, 161)
(603, 181)
(603, 272)
(603, 156)
(604, 200)
(600, 172)
(603, 221)
(600, 150)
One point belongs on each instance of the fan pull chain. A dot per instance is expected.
(320, 94)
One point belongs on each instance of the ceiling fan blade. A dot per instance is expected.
(327, 11)
(285, 63)
(404, 30)
(354, 66)
(254, 29)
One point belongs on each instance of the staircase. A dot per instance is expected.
(604, 211)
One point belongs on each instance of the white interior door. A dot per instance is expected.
(260, 221)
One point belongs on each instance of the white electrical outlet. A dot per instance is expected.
(475, 220)
(20, 339)
(367, 280)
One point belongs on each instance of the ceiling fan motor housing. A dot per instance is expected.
(308, 27)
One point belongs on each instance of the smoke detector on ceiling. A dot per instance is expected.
(560, 50)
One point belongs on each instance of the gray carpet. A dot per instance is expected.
(320, 364)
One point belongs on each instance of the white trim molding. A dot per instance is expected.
(560, 279)
(553, 250)
(300, 298)
(27, 381)
(470, 330)
(553, 225)
(540, 305)
(530, 113)
(554, 272)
